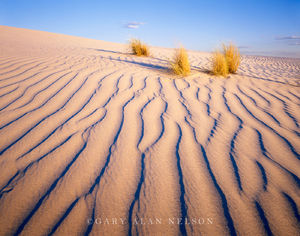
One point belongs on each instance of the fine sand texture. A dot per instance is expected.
(96, 141)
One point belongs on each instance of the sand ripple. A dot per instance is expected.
(89, 132)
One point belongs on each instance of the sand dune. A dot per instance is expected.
(96, 141)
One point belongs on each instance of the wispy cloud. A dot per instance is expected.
(243, 47)
(292, 40)
(133, 25)
(294, 43)
(288, 37)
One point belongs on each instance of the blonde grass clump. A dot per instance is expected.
(226, 62)
(180, 64)
(232, 56)
(219, 64)
(138, 48)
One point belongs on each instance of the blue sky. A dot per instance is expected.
(262, 27)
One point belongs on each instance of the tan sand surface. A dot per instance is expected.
(94, 140)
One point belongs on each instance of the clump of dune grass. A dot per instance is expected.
(219, 64)
(232, 56)
(138, 48)
(180, 64)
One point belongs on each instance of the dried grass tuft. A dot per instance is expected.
(232, 56)
(138, 48)
(180, 64)
(219, 66)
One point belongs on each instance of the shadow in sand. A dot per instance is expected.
(127, 53)
(165, 68)
(203, 70)
(109, 51)
(143, 64)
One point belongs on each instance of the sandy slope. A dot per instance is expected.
(89, 132)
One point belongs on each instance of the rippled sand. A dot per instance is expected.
(90, 133)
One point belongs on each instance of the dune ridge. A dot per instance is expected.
(89, 132)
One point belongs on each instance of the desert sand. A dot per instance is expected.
(94, 140)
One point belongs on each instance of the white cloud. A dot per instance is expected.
(133, 25)
(292, 40)
(287, 37)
